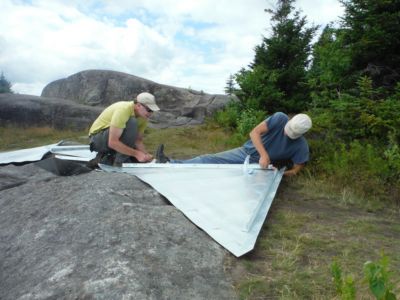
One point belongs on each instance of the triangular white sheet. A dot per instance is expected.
(226, 201)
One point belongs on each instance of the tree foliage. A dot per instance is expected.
(5, 85)
(372, 35)
(230, 85)
(329, 74)
(276, 79)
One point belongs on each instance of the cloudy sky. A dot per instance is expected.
(183, 43)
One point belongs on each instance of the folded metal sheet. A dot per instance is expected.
(25, 155)
(229, 202)
(74, 152)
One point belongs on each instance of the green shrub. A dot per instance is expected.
(367, 169)
(392, 155)
(248, 119)
(378, 277)
(345, 286)
(228, 117)
(363, 116)
(376, 274)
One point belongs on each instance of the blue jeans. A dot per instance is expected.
(234, 156)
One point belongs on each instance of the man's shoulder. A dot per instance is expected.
(278, 118)
(121, 106)
(280, 114)
(302, 142)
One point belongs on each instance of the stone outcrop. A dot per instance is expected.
(179, 106)
(100, 236)
(27, 110)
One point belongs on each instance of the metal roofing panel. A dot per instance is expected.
(25, 155)
(229, 202)
(226, 201)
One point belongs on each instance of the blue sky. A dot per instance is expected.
(195, 44)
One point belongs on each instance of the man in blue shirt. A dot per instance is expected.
(275, 139)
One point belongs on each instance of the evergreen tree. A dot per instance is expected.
(277, 77)
(5, 85)
(372, 33)
(329, 74)
(230, 85)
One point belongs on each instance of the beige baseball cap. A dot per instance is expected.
(298, 125)
(148, 100)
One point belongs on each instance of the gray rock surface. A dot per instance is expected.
(100, 236)
(179, 106)
(27, 110)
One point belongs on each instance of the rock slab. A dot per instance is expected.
(100, 236)
(27, 110)
(179, 106)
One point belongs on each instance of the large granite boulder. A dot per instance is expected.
(179, 106)
(100, 236)
(27, 110)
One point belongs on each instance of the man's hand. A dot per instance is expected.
(149, 157)
(264, 161)
(140, 156)
(143, 157)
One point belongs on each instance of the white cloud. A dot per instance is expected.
(181, 43)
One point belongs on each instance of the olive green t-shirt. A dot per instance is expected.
(117, 115)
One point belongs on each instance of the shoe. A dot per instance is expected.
(101, 158)
(107, 159)
(161, 158)
(94, 163)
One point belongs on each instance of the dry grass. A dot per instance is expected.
(305, 231)
(12, 138)
(182, 143)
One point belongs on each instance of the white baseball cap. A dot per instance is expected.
(148, 100)
(298, 125)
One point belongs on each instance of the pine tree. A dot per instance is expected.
(372, 33)
(5, 85)
(329, 74)
(277, 77)
(230, 85)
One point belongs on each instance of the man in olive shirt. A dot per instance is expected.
(119, 131)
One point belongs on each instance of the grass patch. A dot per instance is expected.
(320, 187)
(182, 143)
(361, 226)
(14, 138)
(305, 232)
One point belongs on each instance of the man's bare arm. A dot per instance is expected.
(255, 136)
(115, 144)
(293, 171)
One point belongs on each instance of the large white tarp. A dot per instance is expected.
(229, 202)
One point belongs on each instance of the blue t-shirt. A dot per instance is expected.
(278, 145)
